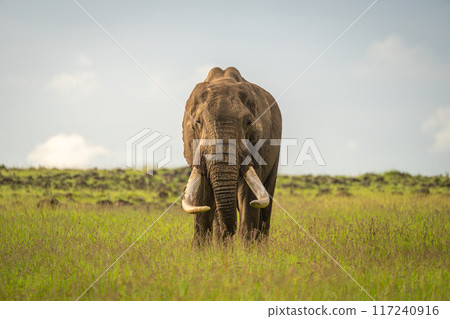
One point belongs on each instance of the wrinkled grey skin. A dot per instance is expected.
(224, 106)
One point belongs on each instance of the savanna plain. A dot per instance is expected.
(61, 229)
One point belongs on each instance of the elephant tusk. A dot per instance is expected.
(194, 209)
(192, 188)
(262, 197)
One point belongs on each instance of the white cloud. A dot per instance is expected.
(84, 61)
(391, 57)
(80, 80)
(65, 151)
(439, 126)
(67, 82)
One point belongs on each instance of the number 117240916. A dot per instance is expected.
(405, 310)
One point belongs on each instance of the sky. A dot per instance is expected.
(377, 100)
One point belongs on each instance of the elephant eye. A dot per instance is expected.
(196, 124)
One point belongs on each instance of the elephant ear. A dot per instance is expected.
(269, 124)
(196, 96)
(188, 136)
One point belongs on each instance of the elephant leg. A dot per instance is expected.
(266, 212)
(249, 216)
(203, 222)
(203, 227)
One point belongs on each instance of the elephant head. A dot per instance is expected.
(222, 110)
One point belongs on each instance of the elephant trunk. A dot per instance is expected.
(223, 178)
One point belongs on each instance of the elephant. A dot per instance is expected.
(231, 112)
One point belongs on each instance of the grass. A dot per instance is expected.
(62, 228)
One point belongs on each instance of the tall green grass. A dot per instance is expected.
(393, 240)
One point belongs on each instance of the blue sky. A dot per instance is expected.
(378, 100)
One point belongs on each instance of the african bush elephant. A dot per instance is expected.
(230, 111)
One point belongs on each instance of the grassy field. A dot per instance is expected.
(61, 229)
